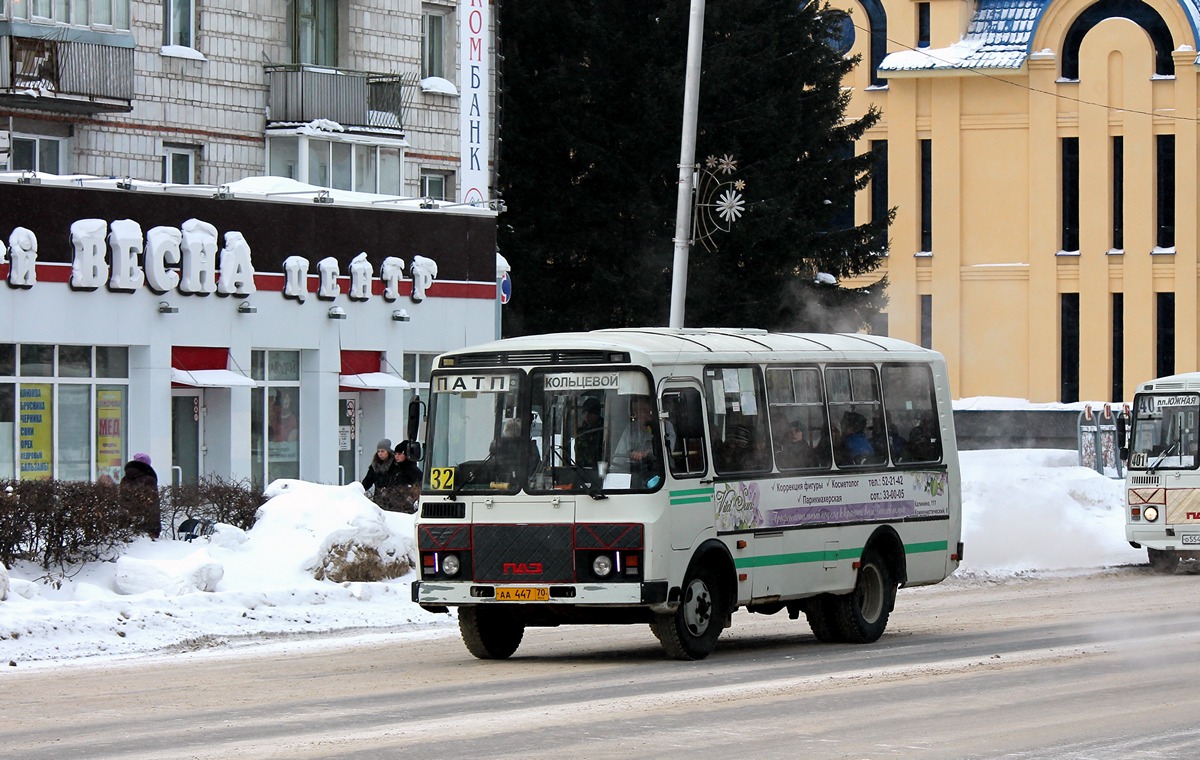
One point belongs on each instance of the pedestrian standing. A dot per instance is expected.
(139, 493)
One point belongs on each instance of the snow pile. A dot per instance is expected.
(1024, 511)
(1037, 509)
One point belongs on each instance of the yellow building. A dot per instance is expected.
(1042, 160)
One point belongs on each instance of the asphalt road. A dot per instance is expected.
(1098, 666)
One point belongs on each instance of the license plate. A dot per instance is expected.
(522, 594)
(1191, 538)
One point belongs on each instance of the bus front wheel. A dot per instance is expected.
(691, 632)
(862, 615)
(490, 633)
(1163, 561)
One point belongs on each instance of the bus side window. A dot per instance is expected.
(913, 434)
(686, 415)
(741, 440)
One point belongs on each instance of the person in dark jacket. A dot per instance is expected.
(381, 475)
(407, 488)
(139, 492)
(408, 473)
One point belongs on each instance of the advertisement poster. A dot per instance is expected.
(36, 407)
(110, 451)
(849, 498)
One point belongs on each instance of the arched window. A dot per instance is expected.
(1134, 10)
(877, 44)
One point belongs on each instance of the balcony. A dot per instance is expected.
(303, 93)
(65, 75)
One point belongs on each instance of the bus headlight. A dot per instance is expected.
(1150, 514)
(451, 565)
(602, 566)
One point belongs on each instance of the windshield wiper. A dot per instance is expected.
(1166, 453)
(594, 487)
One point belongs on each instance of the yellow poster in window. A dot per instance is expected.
(110, 433)
(36, 410)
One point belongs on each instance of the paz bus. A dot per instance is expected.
(1162, 483)
(673, 476)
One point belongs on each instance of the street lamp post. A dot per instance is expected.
(687, 164)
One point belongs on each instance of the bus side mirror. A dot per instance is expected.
(1122, 438)
(414, 426)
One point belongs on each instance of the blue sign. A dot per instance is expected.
(505, 288)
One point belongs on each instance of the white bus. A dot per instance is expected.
(1162, 483)
(673, 476)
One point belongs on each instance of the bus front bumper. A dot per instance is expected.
(1177, 538)
(441, 593)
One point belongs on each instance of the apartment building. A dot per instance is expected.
(215, 215)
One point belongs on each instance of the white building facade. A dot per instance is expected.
(162, 295)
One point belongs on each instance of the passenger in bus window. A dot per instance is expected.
(796, 453)
(634, 452)
(856, 448)
(507, 451)
(923, 442)
(589, 437)
(736, 452)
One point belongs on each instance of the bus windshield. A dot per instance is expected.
(592, 431)
(1164, 432)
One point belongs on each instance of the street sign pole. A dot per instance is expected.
(687, 165)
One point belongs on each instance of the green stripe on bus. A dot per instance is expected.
(691, 496)
(797, 558)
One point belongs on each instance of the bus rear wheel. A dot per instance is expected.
(490, 633)
(822, 618)
(862, 615)
(1163, 561)
(691, 632)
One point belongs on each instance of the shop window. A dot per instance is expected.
(37, 360)
(275, 416)
(8, 407)
(48, 411)
(179, 23)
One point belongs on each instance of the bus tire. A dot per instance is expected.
(1163, 561)
(862, 615)
(820, 612)
(691, 632)
(490, 633)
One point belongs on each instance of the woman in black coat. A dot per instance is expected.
(139, 492)
(382, 472)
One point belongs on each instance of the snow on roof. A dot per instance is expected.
(999, 37)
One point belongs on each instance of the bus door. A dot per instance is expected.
(690, 489)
